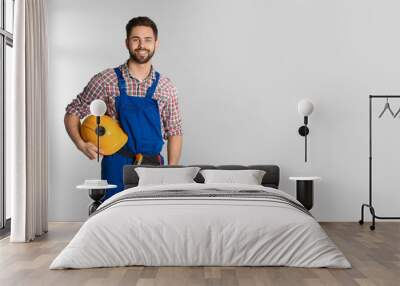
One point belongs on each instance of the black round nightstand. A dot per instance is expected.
(305, 190)
(96, 193)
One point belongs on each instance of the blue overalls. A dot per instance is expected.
(139, 117)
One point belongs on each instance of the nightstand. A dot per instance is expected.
(305, 190)
(96, 193)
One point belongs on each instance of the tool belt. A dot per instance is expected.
(141, 159)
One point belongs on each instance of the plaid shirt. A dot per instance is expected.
(104, 85)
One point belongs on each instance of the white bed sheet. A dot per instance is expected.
(200, 231)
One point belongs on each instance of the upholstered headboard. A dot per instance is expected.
(270, 179)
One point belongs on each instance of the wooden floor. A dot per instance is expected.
(375, 257)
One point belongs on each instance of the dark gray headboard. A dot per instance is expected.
(270, 179)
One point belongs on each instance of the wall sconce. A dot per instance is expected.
(98, 108)
(305, 108)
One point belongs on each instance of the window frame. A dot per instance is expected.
(6, 39)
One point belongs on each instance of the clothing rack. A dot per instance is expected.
(369, 205)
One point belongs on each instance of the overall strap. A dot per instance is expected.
(121, 81)
(150, 91)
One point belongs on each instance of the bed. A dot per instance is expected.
(198, 224)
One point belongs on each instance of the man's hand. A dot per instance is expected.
(72, 125)
(89, 149)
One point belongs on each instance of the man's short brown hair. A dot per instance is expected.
(141, 21)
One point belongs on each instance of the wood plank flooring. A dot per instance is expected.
(375, 257)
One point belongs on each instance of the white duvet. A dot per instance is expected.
(200, 231)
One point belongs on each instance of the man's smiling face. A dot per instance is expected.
(141, 44)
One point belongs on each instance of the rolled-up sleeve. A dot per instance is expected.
(80, 105)
(172, 117)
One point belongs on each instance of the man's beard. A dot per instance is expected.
(139, 58)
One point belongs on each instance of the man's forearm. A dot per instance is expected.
(174, 148)
(72, 124)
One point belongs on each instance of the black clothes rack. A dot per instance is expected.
(369, 205)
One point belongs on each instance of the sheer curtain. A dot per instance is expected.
(26, 123)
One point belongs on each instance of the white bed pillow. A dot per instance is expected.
(166, 176)
(248, 177)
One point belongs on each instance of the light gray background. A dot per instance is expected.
(240, 68)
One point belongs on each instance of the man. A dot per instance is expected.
(143, 101)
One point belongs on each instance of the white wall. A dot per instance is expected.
(240, 68)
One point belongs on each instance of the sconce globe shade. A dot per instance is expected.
(98, 107)
(305, 107)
